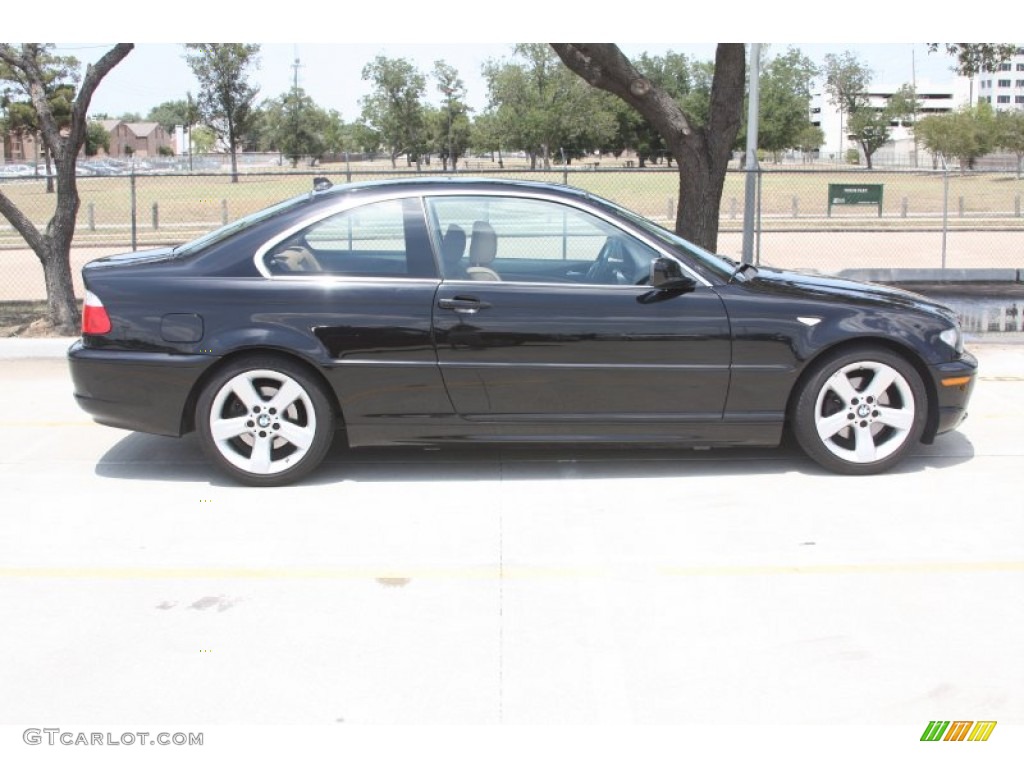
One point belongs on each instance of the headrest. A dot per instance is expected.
(453, 245)
(484, 245)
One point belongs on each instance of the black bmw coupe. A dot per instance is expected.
(466, 311)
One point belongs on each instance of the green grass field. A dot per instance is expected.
(791, 198)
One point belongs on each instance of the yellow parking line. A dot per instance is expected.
(38, 424)
(843, 568)
(495, 572)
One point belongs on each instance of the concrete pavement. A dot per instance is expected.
(570, 588)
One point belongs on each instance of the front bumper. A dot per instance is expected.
(140, 391)
(954, 383)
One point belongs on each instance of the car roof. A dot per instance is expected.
(450, 183)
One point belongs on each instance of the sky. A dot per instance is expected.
(330, 72)
(333, 45)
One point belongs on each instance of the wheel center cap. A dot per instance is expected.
(263, 420)
(863, 411)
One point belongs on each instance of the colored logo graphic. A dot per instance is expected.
(958, 730)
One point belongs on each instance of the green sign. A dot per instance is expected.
(854, 194)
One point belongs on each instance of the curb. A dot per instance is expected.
(20, 349)
(946, 278)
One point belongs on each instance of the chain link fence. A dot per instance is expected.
(923, 218)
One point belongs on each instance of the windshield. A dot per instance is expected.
(718, 266)
(239, 225)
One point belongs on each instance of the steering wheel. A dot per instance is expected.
(608, 266)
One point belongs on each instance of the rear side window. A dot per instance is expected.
(382, 239)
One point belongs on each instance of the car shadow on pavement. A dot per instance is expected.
(148, 457)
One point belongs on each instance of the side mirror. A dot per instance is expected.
(667, 275)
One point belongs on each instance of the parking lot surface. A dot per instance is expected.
(517, 587)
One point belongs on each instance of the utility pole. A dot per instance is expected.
(752, 113)
(913, 105)
(451, 158)
(296, 66)
(294, 109)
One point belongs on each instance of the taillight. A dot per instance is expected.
(95, 319)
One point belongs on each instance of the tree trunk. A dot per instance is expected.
(49, 174)
(867, 154)
(701, 152)
(701, 181)
(60, 292)
(53, 247)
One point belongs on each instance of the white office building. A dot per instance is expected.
(933, 99)
(1004, 88)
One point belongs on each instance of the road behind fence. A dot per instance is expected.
(925, 219)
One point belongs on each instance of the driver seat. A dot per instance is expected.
(483, 247)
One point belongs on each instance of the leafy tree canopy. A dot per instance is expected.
(173, 113)
(394, 108)
(226, 98)
(974, 58)
(541, 107)
(294, 125)
(785, 97)
(965, 135)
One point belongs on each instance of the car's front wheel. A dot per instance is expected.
(860, 411)
(264, 421)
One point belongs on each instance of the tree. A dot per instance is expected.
(61, 79)
(871, 128)
(96, 138)
(810, 139)
(337, 133)
(682, 79)
(485, 135)
(226, 98)
(785, 96)
(974, 58)
(966, 134)
(202, 140)
(295, 126)
(171, 114)
(366, 139)
(846, 82)
(702, 149)
(394, 109)
(29, 67)
(1010, 134)
(903, 107)
(542, 108)
(450, 129)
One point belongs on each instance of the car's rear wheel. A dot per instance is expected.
(860, 411)
(265, 421)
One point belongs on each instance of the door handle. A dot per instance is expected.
(462, 305)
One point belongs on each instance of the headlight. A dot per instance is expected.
(954, 338)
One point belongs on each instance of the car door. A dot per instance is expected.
(364, 280)
(554, 331)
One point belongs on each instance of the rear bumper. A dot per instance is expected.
(140, 391)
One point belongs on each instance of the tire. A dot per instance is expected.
(264, 421)
(860, 411)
